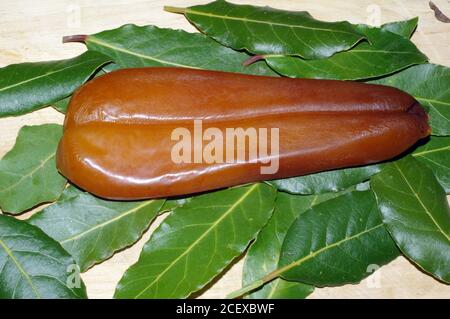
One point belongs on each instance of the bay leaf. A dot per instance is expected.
(61, 105)
(436, 155)
(28, 174)
(34, 266)
(93, 229)
(263, 255)
(430, 85)
(69, 192)
(404, 28)
(336, 242)
(110, 67)
(415, 210)
(197, 241)
(386, 53)
(324, 182)
(27, 87)
(135, 46)
(265, 30)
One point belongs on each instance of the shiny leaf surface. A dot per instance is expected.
(263, 255)
(92, 229)
(386, 53)
(324, 182)
(436, 155)
(61, 105)
(135, 46)
(404, 28)
(34, 266)
(27, 87)
(28, 174)
(197, 241)
(416, 212)
(337, 242)
(264, 30)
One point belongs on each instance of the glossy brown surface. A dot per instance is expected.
(117, 138)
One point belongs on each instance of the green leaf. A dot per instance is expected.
(264, 30)
(34, 266)
(385, 54)
(134, 46)
(430, 85)
(197, 241)
(27, 87)
(61, 105)
(92, 229)
(324, 182)
(336, 241)
(110, 67)
(70, 192)
(283, 289)
(415, 210)
(264, 253)
(28, 174)
(436, 155)
(403, 28)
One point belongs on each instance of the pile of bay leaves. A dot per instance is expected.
(324, 229)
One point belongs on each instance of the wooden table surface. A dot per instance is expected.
(31, 30)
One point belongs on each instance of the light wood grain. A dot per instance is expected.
(32, 30)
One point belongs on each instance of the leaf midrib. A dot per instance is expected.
(45, 75)
(323, 249)
(271, 23)
(101, 225)
(431, 101)
(281, 56)
(382, 51)
(431, 151)
(99, 42)
(21, 179)
(213, 225)
(274, 287)
(20, 268)
(420, 202)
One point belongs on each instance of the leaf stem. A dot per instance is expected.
(246, 289)
(174, 9)
(267, 278)
(74, 38)
(258, 283)
(253, 59)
